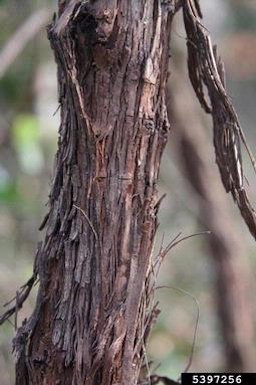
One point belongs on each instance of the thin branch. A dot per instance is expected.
(155, 379)
(174, 242)
(18, 300)
(21, 38)
(88, 220)
(182, 291)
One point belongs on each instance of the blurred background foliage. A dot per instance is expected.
(28, 140)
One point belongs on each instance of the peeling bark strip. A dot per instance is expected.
(206, 69)
(92, 314)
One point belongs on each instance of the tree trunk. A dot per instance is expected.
(92, 314)
(233, 277)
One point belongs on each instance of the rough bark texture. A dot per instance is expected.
(233, 277)
(92, 314)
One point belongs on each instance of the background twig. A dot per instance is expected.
(21, 37)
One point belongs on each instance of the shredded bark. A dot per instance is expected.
(206, 70)
(95, 307)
